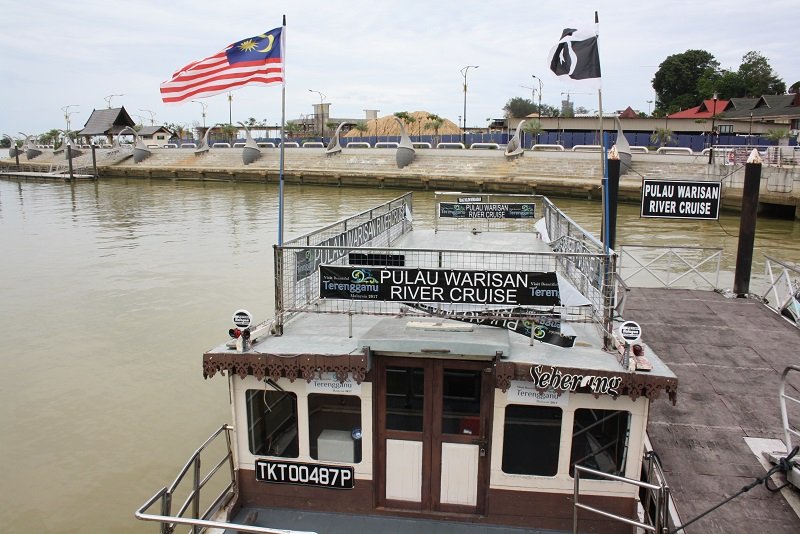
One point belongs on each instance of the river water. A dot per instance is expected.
(110, 291)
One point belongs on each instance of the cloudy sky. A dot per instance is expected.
(380, 54)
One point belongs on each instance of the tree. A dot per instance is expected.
(534, 128)
(434, 123)
(361, 127)
(50, 137)
(757, 76)
(291, 129)
(661, 136)
(795, 88)
(406, 117)
(229, 131)
(519, 108)
(676, 81)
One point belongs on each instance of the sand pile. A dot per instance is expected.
(387, 126)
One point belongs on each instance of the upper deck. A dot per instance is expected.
(506, 278)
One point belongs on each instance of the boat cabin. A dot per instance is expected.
(466, 373)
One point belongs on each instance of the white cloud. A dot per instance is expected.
(391, 55)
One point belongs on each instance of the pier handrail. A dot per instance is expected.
(782, 294)
(788, 430)
(656, 270)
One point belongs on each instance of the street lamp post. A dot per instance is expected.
(205, 106)
(540, 105)
(648, 107)
(714, 118)
(750, 131)
(109, 97)
(230, 109)
(464, 72)
(321, 114)
(152, 116)
(68, 113)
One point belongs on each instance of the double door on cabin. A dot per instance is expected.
(432, 432)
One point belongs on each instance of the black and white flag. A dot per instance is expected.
(576, 56)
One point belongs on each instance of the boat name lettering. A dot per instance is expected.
(393, 284)
(326, 476)
(552, 378)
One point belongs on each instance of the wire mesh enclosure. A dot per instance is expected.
(382, 278)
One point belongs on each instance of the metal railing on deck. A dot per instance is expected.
(657, 502)
(168, 519)
(783, 293)
(670, 267)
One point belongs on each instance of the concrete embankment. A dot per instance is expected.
(575, 174)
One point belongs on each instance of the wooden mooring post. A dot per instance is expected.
(747, 225)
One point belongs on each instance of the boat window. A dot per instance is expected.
(272, 423)
(600, 441)
(334, 427)
(461, 404)
(404, 398)
(531, 440)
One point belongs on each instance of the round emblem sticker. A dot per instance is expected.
(630, 331)
(242, 318)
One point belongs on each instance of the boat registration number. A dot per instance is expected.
(326, 476)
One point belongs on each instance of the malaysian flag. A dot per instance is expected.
(576, 56)
(253, 61)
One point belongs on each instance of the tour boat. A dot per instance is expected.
(473, 376)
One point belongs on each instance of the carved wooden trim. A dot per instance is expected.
(291, 366)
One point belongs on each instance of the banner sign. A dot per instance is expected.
(544, 328)
(326, 476)
(679, 199)
(475, 210)
(396, 284)
(307, 261)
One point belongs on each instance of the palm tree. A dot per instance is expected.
(534, 128)
(661, 136)
(361, 127)
(406, 117)
(229, 131)
(291, 129)
(179, 131)
(434, 123)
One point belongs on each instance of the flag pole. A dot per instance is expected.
(283, 123)
(603, 174)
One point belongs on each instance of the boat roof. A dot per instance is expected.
(308, 324)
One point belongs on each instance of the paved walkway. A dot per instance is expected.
(728, 355)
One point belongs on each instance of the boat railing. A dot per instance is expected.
(366, 240)
(301, 287)
(169, 517)
(651, 522)
(782, 295)
(670, 267)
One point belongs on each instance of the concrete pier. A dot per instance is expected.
(728, 354)
(575, 174)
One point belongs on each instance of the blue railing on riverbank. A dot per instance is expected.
(697, 142)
